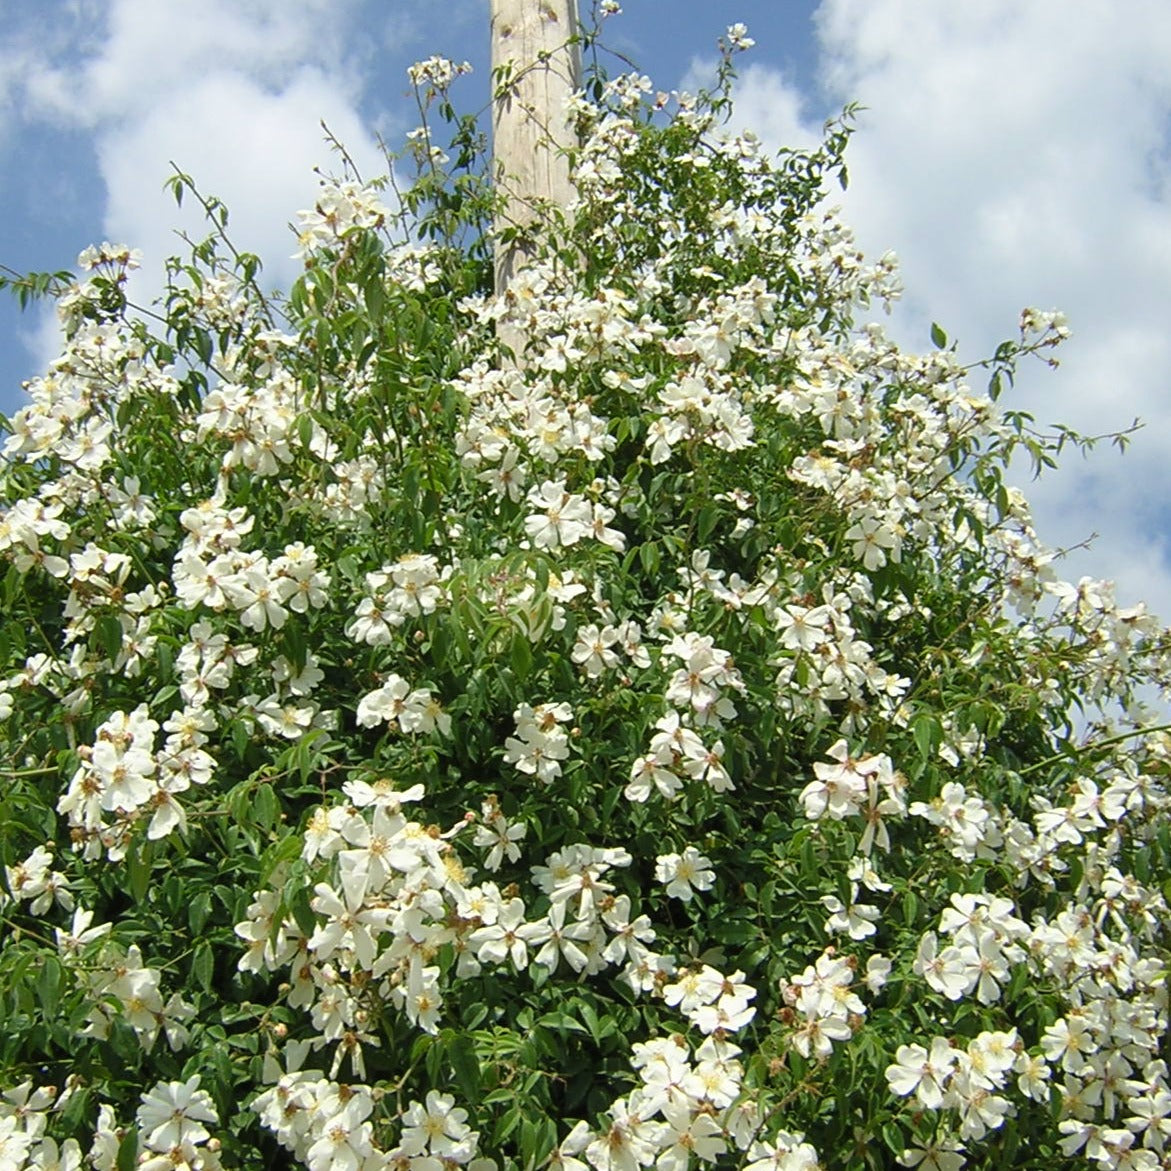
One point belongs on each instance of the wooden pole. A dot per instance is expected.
(530, 129)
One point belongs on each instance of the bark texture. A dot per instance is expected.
(530, 130)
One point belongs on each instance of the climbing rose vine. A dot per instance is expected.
(660, 742)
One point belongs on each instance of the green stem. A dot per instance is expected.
(1095, 745)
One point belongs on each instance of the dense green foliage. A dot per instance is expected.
(412, 748)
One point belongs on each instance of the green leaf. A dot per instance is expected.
(240, 736)
(938, 337)
(265, 808)
(297, 900)
(476, 1016)
(587, 1014)
(108, 633)
(508, 1122)
(286, 849)
(520, 656)
(440, 645)
(49, 985)
(461, 1052)
(928, 734)
(374, 295)
(128, 1151)
(138, 864)
(808, 861)
(560, 1021)
(295, 646)
(910, 908)
(893, 1137)
(203, 965)
(198, 910)
(708, 515)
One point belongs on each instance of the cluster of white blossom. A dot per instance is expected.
(438, 72)
(597, 649)
(600, 508)
(497, 834)
(537, 609)
(967, 823)
(400, 893)
(340, 208)
(1114, 636)
(171, 1127)
(119, 986)
(676, 753)
(259, 422)
(213, 570)
(822, 1005)
(987, 938)
(123, 775)
(410, 587)
(1106, 1047)
(25, 1111)
(511, 416)
(966, 1080)
(35, 881)
(1117, 1104)
(562, 518)
(327, 1127)
(867, 786)
(541, 742)
(822, 664)
(688, 1106)
(171, 1132)
(395, 702)
(24, 524)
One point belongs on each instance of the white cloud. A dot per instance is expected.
(153, 48)
(765, 98)
(14, 66)
(232, 91)
(1018, 155)
(254, 149)
(40, 334)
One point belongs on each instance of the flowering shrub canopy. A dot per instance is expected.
(666, 746)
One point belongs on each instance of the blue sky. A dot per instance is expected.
(1011, 153)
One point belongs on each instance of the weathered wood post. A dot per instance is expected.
(530, 130)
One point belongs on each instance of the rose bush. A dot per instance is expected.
(667, 745)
